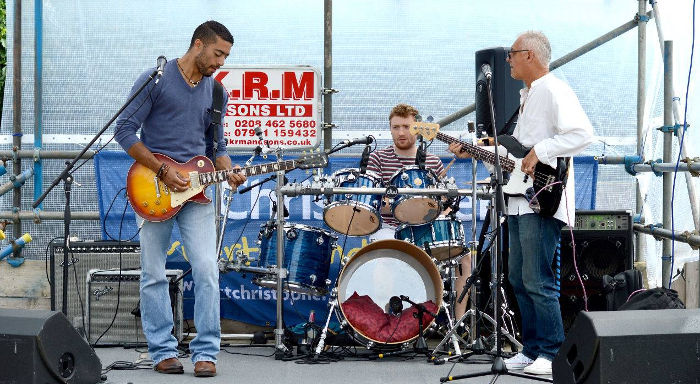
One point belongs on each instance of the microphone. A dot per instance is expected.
(365, 158)
(486, 70)
(257, 152)
(367, 140)
(16, 244)
(395, 306)
(421, 154)
(160, 65)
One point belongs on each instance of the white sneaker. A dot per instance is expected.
(541, 366)
(518, 361)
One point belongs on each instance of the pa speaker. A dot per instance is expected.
(41, 347)
(602, 244)
(506, 92)
(659, 346)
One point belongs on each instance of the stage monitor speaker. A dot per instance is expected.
(506, 91)
(654, 346)
(83, 257)
(603, 244)
(41, 347)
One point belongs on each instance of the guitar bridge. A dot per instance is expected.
(155, 182)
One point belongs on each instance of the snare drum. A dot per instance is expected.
(444, 237)
(354, 215)
(368, 280)
(415, 209)
(307, 257)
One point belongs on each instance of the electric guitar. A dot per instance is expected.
(544, 192)
(154, 201)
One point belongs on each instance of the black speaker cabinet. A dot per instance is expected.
(39, 347)
(505, 90)
(656, 346)
(83, 257)
(603, 244)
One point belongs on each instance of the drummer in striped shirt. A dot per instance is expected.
(386, 162)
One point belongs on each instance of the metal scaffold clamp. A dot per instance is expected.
(630, 162)
(690, 161)
(36, 156)
(638, 18)
(673, 128)
(328, 125)
(654, 162)
(329, 91)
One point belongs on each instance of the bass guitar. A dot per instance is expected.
(154, 201)
(543, 193)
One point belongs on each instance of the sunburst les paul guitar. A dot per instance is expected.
(548, 183)
(154, 201)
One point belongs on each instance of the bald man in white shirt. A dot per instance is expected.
(553, 123)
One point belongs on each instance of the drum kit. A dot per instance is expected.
(417, 267)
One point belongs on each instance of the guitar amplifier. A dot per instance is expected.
(83, 257)
(603, 246)
(114, 311)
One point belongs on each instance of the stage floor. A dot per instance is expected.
(246, 364)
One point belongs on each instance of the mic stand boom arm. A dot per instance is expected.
(67, 178)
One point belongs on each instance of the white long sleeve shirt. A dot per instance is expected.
(552, 121)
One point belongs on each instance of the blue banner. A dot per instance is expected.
(241, 299)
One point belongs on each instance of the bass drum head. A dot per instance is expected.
(384, 269)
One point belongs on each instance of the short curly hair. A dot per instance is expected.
(403, 110)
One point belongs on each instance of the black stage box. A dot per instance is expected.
(654, 346)
(39, 347)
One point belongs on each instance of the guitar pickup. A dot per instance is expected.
(194, 180)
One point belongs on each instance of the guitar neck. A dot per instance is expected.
(478, 153)
(208, 178)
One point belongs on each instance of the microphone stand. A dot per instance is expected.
(498, 367)
(67, 177)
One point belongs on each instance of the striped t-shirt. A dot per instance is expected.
(385, 163)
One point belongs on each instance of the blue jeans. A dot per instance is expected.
(198, 229)
(533, 241)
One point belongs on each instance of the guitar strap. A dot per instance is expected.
(509, 127)
(217, 99)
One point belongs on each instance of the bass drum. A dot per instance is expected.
(376, 273)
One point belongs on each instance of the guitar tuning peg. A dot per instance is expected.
(429, 119)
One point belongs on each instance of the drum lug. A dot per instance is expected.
(404, 176)
(292, 234)
(319, 240)
(328, 284)
(344, 260)
(370, 344)
(313, 278)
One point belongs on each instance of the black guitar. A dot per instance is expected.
(543, 193)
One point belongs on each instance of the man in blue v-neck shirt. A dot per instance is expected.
(174, 115)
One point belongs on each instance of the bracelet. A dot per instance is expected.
(162, 168)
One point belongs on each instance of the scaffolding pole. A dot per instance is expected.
(694, 207)
(640, 254)
(557, 63)
(667, 219)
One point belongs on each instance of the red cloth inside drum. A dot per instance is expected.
(371, 320)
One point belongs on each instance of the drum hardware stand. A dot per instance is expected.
(498, 367)
(332, 302)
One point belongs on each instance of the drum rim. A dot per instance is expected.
(307, 227)
(414, 167)
(291, 286)
(369, 173)
(341, 203)
(377, 245)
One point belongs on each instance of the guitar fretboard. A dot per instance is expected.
(478, 153)
(207, 178)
